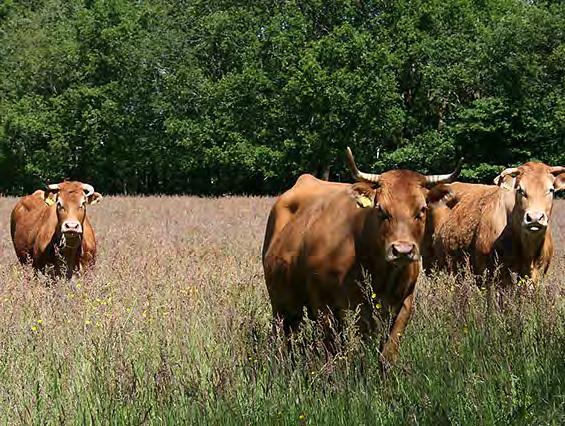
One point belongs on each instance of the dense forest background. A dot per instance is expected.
(213, 97)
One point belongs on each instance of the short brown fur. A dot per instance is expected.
(486, 225)
(36, 230)
(318, 242)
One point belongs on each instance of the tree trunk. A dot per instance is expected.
(325, 175)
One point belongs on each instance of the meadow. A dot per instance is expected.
(174, 326)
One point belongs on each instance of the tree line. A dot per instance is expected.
(231, 96)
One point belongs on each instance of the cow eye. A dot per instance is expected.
(420, 215)
(382, 213)
(551, 190)
(521, 192)
(59, 205)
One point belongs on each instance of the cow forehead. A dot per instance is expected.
(535, 176)
(401, 190)
(402, 179)
(71, 191)
(70, 186)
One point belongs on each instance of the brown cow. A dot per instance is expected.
(51, 231)
(505, 224)
(306, 190)
(322, 236)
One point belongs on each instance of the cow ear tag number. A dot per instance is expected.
(49, 201)
(364, 202)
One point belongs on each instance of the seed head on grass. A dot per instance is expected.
(207, 347)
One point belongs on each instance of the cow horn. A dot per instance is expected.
(447, 178)
(555, 170)
(358, 175)
(88, 188)
(54, 187)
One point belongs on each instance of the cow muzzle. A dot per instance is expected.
(402, 251)
(71, 227)
(535, 221)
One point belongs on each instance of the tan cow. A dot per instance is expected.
(51, 231)
(506, 224)
(322, 236)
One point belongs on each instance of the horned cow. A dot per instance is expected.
(50, 229)
(322, 236)
(504, 225)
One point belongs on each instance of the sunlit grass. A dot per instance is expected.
(174, 326)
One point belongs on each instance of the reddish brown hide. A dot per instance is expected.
(504, 225)
(50, 229)
(321, 237)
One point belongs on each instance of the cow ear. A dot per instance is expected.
(559, 183)
(505, 182)
(49, 197)
(440, 193)
(94, 198)
(364, 195)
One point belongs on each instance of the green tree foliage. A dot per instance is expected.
(217, 96)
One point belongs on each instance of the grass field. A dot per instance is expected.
(174, 327)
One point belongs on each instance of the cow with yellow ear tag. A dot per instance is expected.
(50, 228)
(324, 238)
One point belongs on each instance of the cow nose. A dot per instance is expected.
(403, 249)
(71, 226)
(534, 217)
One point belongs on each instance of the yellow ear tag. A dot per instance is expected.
(49, 201)
(363, 201)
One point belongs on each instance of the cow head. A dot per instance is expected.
(70, 200)
(534, 185)
(399, 202)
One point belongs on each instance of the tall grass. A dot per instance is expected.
(174, 326)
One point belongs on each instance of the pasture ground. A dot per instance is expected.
(174, 326)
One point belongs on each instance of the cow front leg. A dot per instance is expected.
(389, 352)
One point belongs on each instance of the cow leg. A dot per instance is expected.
(290, 320)
(389, 352)
(332, 323)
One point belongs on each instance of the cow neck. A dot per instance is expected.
(63, 247)
(527, 247)
(66, 253)
(508, 199)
